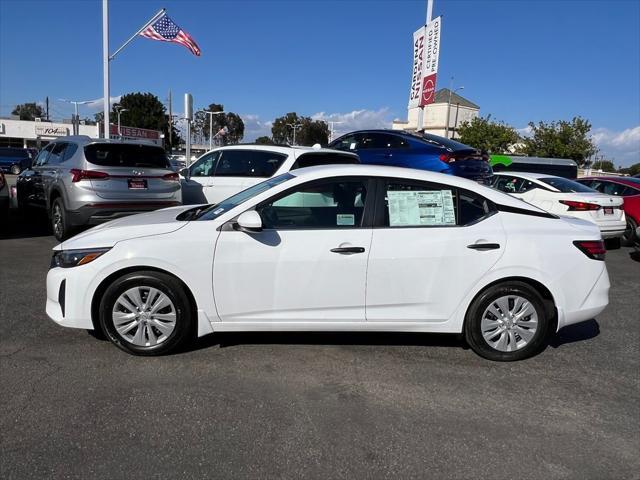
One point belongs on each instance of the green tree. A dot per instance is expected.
(604, 165)
(28, 111)
(232, 121)
(632, 170)
(308, 131)
(143, 110)
(264, 140)
(484, 134)
(561, 139)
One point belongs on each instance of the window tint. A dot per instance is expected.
(205, 166)
(126, 155)
(42, 157)
(611, 188)
(332, 204)
(527, 185)
(69, 151)
(322, 158)
(419, 205)
(378, 140)
(508, 184)
(629, 191)
(472, 207)
(348, 142)
(249, 163)
(57, 154)
(565, 185)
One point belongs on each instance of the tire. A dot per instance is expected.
(147, 333)
(60, 225)
(15, 169)
(612, 243)
(629, 238)
(479, 317)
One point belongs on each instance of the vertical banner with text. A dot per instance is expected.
(426, 48)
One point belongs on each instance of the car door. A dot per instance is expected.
(309, 262)
(196, 187)
(431, 245)
(50, 171)
(35, 194)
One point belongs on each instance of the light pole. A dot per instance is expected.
(449, 106)
(211, 114)
(76, 120)
(294, 126)
(331, 129)
(120, 110)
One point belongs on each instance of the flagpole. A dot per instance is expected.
(153, 19)
(105, 66)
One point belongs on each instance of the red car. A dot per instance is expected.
(627, 187)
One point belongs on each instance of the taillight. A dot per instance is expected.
(580, 206)
(171, 177)
(592, 248)
(77, 175)
(446, 158)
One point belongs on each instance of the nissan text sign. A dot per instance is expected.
(426, 50)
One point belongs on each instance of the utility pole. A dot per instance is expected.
(294, 126)
(211, 114)
(47, 109)
(331, 129)
(451, 92)
(170, 124)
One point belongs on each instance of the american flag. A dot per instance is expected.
(165, 30)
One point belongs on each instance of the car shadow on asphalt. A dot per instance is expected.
(635, 255)
(575, 333)
(27, 224)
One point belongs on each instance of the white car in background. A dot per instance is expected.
(225, 171)
(386, 250)
(565, 197)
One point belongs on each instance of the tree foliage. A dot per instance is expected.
(604, 165)
(143, 110)
(632, 170)
(264, 140)
(308, 132)
(28, 111)
(233, 122)
(561, 139)
(487, 135)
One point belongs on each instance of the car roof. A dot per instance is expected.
(288, 150)
(86, 140)
(632, 182)
(322, 171)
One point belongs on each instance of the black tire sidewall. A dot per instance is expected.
(473, 331)
(169, 286)
(66, 228)
(630, 242)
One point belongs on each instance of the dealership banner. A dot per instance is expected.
(426, 50)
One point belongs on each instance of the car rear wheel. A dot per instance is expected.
(507, 322)
(60, 224)
(147, 313)
(629, 237)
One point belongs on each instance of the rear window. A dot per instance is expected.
(566, 186)
(126, 155)
(323, 158)
(14, 153)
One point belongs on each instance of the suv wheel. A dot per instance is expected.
(15, 169)
(146, 313)
(507, 322)
(60, 220)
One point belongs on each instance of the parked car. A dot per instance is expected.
(422, 151)
(14, 160)
(4, 200)
(629, 189)
(224, 171)
(178, 162)
(562, 196)
(84, 181)
(388, 249)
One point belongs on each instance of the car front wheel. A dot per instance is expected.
(146, 313)
(507, 322)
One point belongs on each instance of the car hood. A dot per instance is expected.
(108, 234)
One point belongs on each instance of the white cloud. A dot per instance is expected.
(254, 127)
(525, 132)
(97, 103)
(622, 147)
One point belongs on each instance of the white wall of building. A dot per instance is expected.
(435, 118)
(46, 131)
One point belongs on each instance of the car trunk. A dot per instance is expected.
(611, 207)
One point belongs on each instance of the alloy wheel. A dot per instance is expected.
(509, 323)
(56, 218)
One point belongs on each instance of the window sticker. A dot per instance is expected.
(352, 146)
(421, 208)
(218, 211)
(345, 219)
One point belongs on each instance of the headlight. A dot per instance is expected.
(74, 258)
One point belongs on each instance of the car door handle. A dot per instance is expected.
(348, 250)
(484, 246)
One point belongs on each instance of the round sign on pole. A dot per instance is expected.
(428, 90)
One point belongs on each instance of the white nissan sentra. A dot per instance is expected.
(336, 248)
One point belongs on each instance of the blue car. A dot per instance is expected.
(417, 150)
(14, 160)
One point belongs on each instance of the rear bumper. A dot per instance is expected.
(613, 231)
(592, 305)
(96, 213)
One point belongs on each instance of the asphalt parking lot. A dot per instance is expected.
(312, 405)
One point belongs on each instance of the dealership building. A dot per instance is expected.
(36, 134)
(434, 120)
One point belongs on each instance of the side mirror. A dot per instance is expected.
(185, 172)
(249, 222)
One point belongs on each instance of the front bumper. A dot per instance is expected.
(65, 309)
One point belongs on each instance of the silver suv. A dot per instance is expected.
(84, 181)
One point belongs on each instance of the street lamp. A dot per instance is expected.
(449, 106)
(120, 110)
(76, 122)
(211, 114)
(294, 126)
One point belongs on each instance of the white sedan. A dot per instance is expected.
(336, 248)
(565, 197)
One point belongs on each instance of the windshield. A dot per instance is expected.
(566, 185)
(214, 211)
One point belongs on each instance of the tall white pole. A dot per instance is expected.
(105, 66)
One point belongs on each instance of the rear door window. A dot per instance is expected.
(249, 163)
(611, 188)
(57, 154)
(43, 156)
(126, 155)
(313, 159)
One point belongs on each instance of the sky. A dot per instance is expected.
(348, 61)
